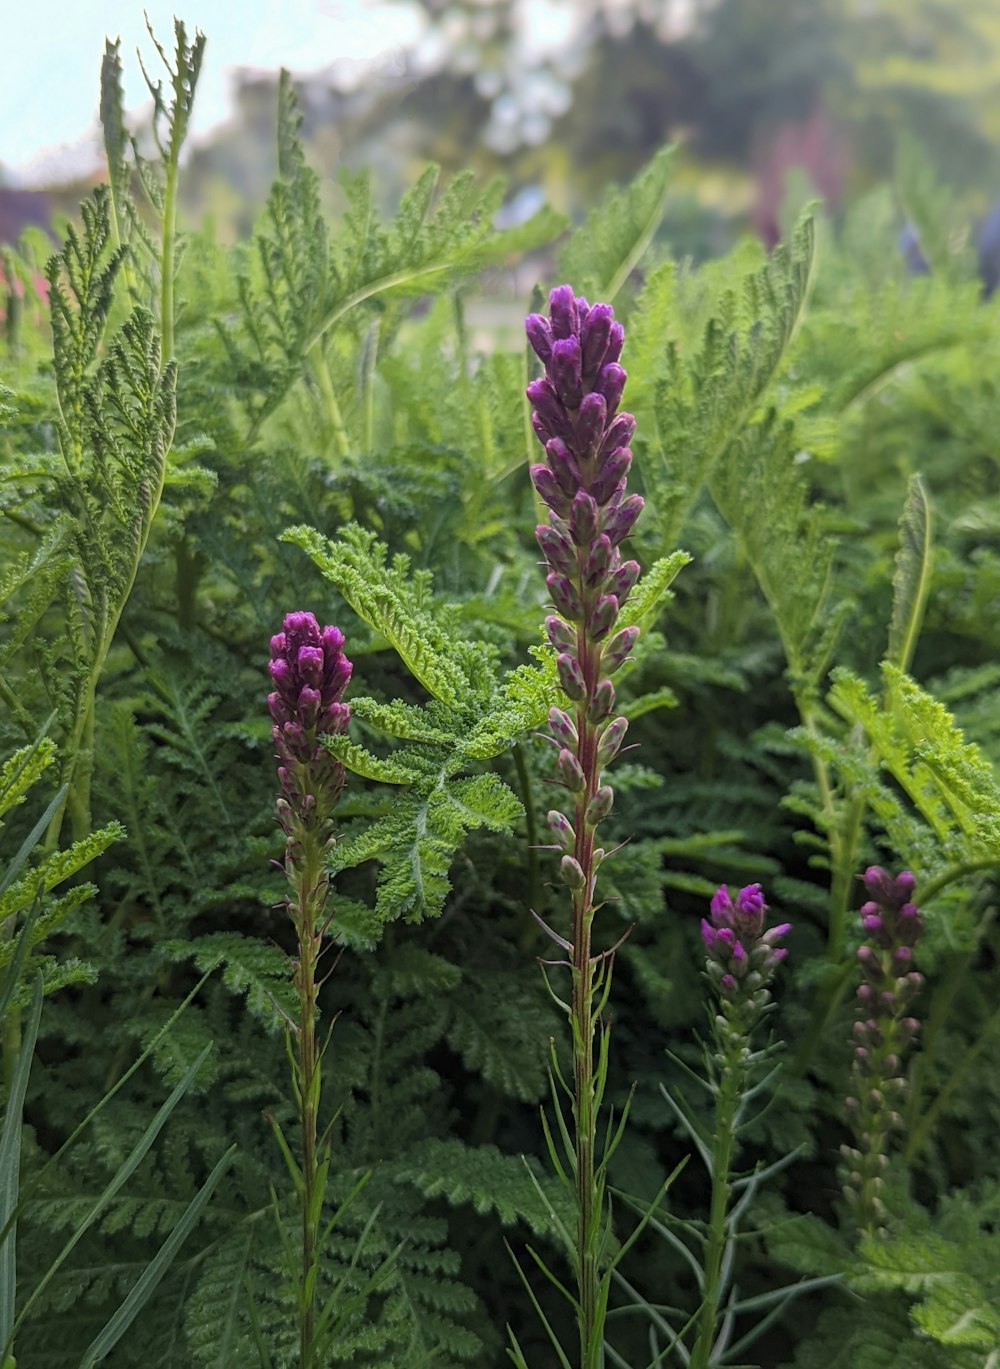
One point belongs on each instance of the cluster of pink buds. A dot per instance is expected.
(742, 955)
(882, 1032)
(310, 673)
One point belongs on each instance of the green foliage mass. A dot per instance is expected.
(192, 444)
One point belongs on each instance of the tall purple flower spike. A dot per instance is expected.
(583, 483)
(742, 955)
(883, 1030)
(310, 673)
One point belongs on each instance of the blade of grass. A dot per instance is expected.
(105, 1341)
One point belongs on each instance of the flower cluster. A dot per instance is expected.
(742, 956)
(583, 483)
(892, 927)
(310, 673)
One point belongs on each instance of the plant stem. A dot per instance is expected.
(728, 1094)
(591, 1335)
(308, 914)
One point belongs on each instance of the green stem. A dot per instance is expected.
(728, 1094)
(321, 371)
(311, 888)
(583, 1024)
(168, 240)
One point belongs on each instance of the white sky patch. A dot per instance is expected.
(50, 61)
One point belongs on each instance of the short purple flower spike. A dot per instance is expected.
(742, 956)
(310, 673)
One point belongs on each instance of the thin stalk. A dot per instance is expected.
(582, 1008)
(321, 371)
(727, 1104)
(308, 921)
(168, 241)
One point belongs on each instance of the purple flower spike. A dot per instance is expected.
(891, 926)
(310, 673)
(742, 956)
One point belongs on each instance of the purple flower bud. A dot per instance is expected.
(621, 582)
(603, 616)
(549, 408)
(591, 423)
(709, 936)
(563, 728)
(610, 740)
(562, 829)
(602, 702)
(583, 519)
(722, 908)
(539, 336)
(570, 771)
(615, 342)
(618, 649)
(571, 873)
(599, 559)
(549, 489)
(872, 923)
(909, 925)
(571, 677)
(560, 634)
(564, 596)
(557, 550)
(619, 433)
(565, 371)
(563, 465)
(613, 471)
(600, 805)
(728, 985)
(595, 334)
(611, 384)
(750, 910)
(563, 311)
(620, 520)
(902, 959)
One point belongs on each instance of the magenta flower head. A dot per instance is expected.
(310, 673)
(742, 956)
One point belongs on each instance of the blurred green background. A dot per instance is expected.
(565, 96)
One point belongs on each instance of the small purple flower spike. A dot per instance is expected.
(310, 673)
(742, 956)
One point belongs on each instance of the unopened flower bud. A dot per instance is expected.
(583, 519)
(622, 581)
(571, 873)
(603, 617)
(600, 805)
(621, 519)
(539, 336)
(570, 771)
(602, 702)
(571, 677)
(598, 562)
(563, 728)
(562, 829)
(560, 634)
(610, 740)
(549, 489)
(564, 596)
(557, 550)
(618, 648)
(614, 470)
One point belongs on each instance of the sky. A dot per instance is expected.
(50, 60)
